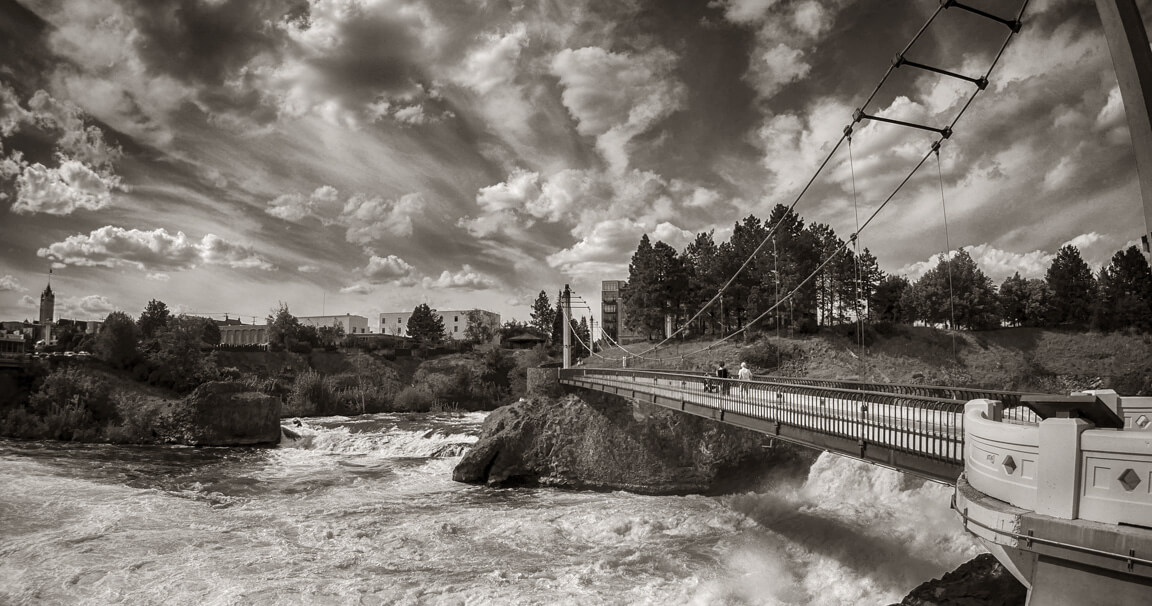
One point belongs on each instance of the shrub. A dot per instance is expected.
(73, 387)
(413, 399)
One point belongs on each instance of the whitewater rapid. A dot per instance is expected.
(363, 511)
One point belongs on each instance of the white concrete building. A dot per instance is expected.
(455, 321)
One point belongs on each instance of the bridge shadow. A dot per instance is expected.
(861, 547)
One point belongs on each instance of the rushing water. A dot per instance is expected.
(363, 511)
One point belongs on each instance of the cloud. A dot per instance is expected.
(999, 264)
(608, 246)
(359, 288)
(111, 246)
(64, 190)
(90, 307)
(366, 218)
(8, 283)
(158, 277)
(467, 278)
(308, 269)
(617, 96)
(390, 269)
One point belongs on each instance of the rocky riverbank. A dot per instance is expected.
(593, 441)
(602, 443)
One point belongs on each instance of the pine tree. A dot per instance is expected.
(1073, 288)
(542, 313)
(1125, 293)
(425, 325)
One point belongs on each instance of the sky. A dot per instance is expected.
(366, 156)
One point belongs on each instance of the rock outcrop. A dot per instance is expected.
(981, 581)
(227, 414)
(606, 443)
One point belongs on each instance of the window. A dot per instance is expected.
(455, 318)
(397, 320)
(455, 329)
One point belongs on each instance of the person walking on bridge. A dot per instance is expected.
(745, 375)
(722, 373)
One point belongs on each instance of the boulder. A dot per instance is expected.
(602, 442)
(227, 414)
(981, 581)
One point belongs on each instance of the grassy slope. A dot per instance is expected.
(1024, 359)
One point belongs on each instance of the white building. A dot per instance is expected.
(352, 325)
(455, 321)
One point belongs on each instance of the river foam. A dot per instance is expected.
(367, 513)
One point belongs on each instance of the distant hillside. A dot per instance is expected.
(1022, 359)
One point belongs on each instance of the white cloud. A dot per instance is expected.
(365, 218)
(9, 283)
(359, 288)
(308, 269)
(91, 307)
(610, 244)
(159, 277)
(616, 96)
(111, 246)
(466, 278)
(63, 190)
(382, 270)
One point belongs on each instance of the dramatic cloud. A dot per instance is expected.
(112, 246)
(62, 191)
(390, 269)
(615, 97)
(366, 218)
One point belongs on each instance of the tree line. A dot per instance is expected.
(777, 289)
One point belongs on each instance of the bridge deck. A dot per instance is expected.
(915, 434)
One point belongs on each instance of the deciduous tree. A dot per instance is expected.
(425, 325)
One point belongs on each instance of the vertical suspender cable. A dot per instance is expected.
(856, 246)
(947, 250)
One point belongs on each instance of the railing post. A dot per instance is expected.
(1058, 469)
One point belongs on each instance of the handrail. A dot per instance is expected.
(916, 433)
(1009, 398)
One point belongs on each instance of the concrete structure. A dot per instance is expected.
(244, 334)
(455, 321)
(12, 345)
(352, 325)
(1064, 504)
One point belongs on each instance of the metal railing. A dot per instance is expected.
(1010, 399)
(872, 424)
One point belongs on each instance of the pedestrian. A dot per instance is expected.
(722, 373)
(745, 375)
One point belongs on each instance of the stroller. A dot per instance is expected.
(710, 386)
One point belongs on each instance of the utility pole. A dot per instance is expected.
(776, 275)
(567, 306)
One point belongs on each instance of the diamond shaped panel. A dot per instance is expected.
(1009, 464)
(1142, 422)
(1129, 479)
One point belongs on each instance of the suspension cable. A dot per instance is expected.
(856, 246)
(947, 251)
(944, 133)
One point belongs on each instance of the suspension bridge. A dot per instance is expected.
(1057, 487)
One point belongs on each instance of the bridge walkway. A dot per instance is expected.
(911, 432)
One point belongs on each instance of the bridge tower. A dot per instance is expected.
(1132, 61)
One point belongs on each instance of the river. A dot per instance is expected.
(363, 510)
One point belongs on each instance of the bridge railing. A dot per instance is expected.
(1064, 467)
(1010, 399)
(920, 425)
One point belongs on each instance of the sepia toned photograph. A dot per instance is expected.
(575, 302)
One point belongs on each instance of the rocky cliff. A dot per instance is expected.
(602, 443)
(981, 581)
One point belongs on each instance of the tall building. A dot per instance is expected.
(47, 313)
(47, 305)
(613, 312)
(455, 321)
(610, 305)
